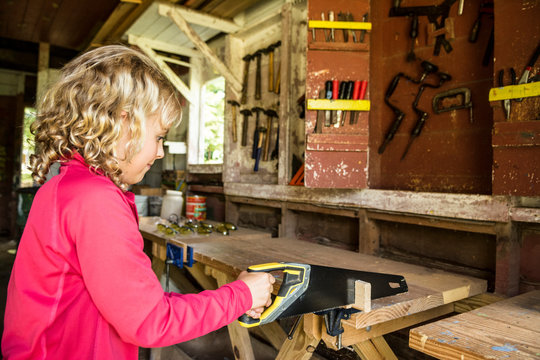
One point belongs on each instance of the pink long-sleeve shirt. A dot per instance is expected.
(82, 287)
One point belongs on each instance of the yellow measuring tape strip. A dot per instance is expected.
(515, 91)
(319, 24)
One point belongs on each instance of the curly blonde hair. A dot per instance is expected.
(82, 111)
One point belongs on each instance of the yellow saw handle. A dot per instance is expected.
(295, 283)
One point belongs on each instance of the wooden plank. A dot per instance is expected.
(179, 20)
(163, 46)
(382, 346)
(475, 302)
(459, 206)
(508, 329)
(367, 351)
(529, 215)
(167, 71)
(200, 18)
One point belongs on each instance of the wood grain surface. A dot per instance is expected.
(508, 329)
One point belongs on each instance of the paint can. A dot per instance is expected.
(196, 207)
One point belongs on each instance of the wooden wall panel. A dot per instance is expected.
(452, 154)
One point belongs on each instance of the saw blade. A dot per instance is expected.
(331, 288)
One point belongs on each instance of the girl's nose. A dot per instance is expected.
(160, 152)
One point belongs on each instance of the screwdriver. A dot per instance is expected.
(335, 94)
(325, 31)
(349, 85)
(328, 113)
(331, 18)
(355, 96)
(341, 96)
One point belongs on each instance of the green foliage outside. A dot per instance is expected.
(213, 117)
(27, 147)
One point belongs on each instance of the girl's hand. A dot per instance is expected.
(260, 285)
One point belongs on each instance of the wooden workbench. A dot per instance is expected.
(431, 292)
(508, 329)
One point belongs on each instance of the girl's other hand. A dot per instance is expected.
(260, 285)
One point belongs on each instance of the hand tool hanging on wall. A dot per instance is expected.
(513, 81)
(313, 289)
(350, 17)
(234, 106)
(247, 59)
(326, 33)
(413, 34)
(257, 110)
(257, 57)
(348, 95)
(341, 96)
(359, 93)
(270, 114)
(398, 114)
(343, 17)
(335, 96)
(422, 115)
(454, 99)
(278, 72)
(328, 94)
(525, 76)
(246, 114)
(258, 146)
(486, 8)
(433, 14)
(275, 152)
(270, 52)
(332, 32)
(320, 115)
(428, 68)
(363, 32)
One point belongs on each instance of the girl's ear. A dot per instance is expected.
(123, 115)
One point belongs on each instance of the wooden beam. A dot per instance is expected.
(167, 71)
(122, 17)
(164, 46)
(179, 20)
(200, 18)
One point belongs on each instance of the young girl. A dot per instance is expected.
(81, 286)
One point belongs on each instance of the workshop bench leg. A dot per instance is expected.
(239, 335)
(301, 347)
(374, 349)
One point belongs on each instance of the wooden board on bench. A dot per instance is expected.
(508, 329)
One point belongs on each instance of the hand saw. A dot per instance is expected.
(313, 288)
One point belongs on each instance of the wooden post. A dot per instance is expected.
(368, 234)
(507, 260)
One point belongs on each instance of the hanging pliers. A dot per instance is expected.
(506, 102)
